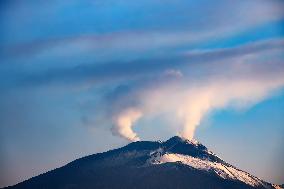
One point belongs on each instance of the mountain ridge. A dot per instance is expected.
(175, 163)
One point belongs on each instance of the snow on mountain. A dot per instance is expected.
(278, 186)
(224, 170)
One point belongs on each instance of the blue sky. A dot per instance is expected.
(81, 77)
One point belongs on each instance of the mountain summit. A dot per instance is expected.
(175, 163)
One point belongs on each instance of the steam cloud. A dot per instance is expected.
(124, 122)
(190, 105)
(189, 99)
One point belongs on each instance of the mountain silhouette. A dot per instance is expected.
(176, 163)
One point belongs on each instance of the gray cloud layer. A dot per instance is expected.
(105, 72)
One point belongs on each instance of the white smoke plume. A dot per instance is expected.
(124, 122)
(237, 94)
(189, 103)
(237, 83)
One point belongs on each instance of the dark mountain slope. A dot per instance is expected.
(176, 163)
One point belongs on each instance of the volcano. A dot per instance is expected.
(176, 163)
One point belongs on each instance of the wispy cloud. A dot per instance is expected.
(107, 72)
(131, 36)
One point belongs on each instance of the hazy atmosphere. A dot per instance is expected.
(81, 77)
